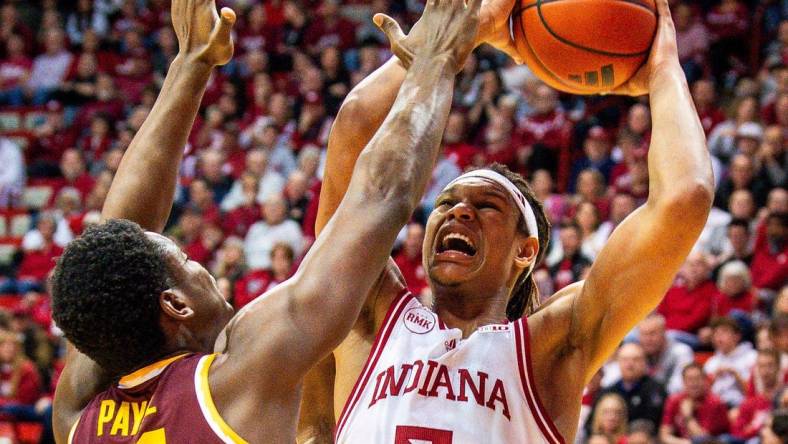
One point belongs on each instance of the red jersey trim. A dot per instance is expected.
(523, 348)
(389, 321)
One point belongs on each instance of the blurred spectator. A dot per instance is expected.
(734, 284)
(733, 359)
(694, 414)
(19, 381)
(722, 139)
(641, 432)
(572, 262)
(687, 304)
(643, 395)
(38, 258)
(274, 228)
(257, 282)
(756, 407)
(596, 150)
(86, 17)
(49, 68)
(741, 176)
(692, 39)
(270, 183)
(409, 259)
(610, 418)
(12, 174)
(770, 256)
(15, 70)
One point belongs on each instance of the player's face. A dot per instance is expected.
(211, 311)
(472, 236)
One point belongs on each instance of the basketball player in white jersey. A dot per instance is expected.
(470, 368)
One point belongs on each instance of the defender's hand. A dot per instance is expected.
(447, 28)
(664, 54)
(493, 30)
(203, 35)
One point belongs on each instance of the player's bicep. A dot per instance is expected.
(628, 279)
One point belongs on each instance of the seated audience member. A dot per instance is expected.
(610, 418)
(256, 282)
(735, 296)
(732, 362)
(644, 396)
(665, 356)
(572, 262)
(755, 409)
(770, 256)
(274, 228)
(687, 305)
(409, 259)
(736, 246)
(20, 383)
(694, 414)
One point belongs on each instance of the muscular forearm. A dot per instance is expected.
(144, 186)
(679, 163)
(360, 116)
(398, 160)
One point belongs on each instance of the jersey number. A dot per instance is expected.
(153, 437)
(405, 434)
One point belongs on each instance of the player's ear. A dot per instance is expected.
(175, 305)
(527, 250)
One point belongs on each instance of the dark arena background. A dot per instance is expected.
(78, 77)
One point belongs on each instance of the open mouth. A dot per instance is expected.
(457, 243)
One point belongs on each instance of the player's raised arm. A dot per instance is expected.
(314, 310)
(639, 261)
(144, 186)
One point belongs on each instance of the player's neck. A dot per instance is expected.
(469, 311)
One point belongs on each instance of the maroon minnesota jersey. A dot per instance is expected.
(166, 402)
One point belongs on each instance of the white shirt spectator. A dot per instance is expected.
(49, 71)
(271, 185)
(741, 360)
(262, 237)
(12, 172)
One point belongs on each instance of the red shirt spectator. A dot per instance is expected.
(687, 305)
(36, 264)
(19, 379)
(769, 265)
(249, 287)
(15, 67)
(694, 405)
(409, 260)
(330, 29)
(730, 19)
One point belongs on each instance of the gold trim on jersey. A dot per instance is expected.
(212, 416)
(147, 373)
(72, 431)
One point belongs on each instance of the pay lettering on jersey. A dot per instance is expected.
(439, 380)
(124, 419)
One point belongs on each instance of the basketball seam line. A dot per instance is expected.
(552, 75)
(563, 40)
(532, 5)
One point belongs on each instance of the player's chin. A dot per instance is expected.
(453, 272)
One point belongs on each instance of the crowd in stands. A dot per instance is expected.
(78, 78)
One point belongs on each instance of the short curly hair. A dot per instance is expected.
(105, 295)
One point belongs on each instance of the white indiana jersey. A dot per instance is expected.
(423, 383)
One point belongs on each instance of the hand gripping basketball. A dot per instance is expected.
(203, 35)
(664, 54)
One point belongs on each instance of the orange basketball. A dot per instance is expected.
(584, 46)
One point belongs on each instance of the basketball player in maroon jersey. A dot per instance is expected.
(485, 277)
(151, 325)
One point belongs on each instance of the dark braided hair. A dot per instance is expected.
(525, 294)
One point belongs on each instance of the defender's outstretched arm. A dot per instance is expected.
(309, 315)
(143, 188)
(637, 265)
